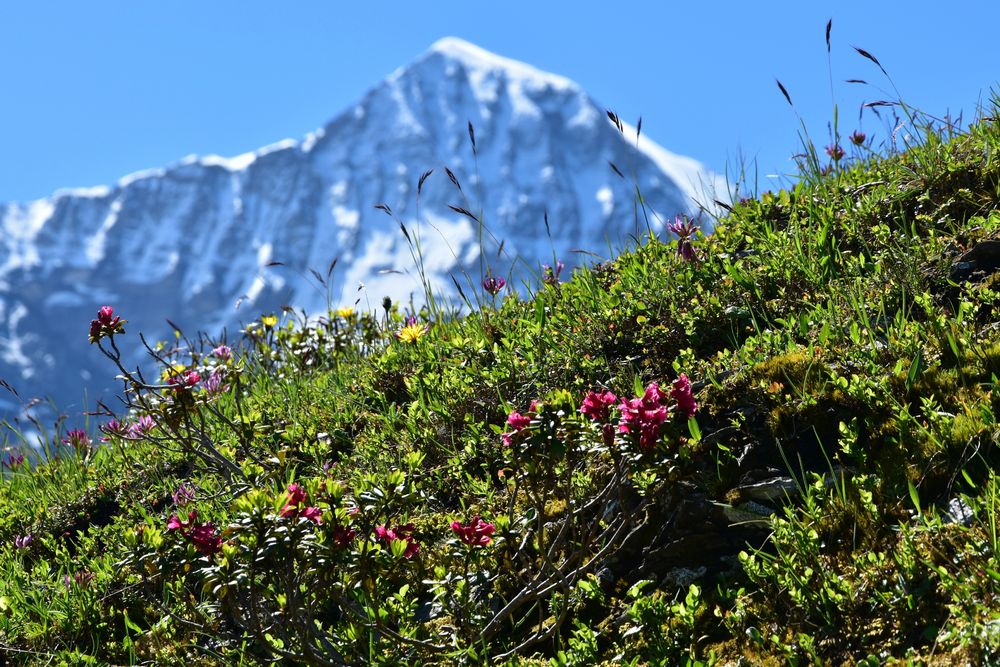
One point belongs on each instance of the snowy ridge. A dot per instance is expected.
(194, 241)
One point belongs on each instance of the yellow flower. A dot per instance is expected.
(172, 371)
(411, 333)
(345, 312)
(269, 321)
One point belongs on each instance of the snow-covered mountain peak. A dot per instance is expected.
(478, 60)
(209, 242)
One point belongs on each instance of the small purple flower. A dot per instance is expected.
(77, 439)
(493, 286)
(14, 459)
(858, 138)
(23, 541)
(550, 276)
(223, 353)
(113, 428)
(213, 384)
(81, 579)
(141, 427)
(410, 321)
(183, 495)
(684, 229)
(835, 152)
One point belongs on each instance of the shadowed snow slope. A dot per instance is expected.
(190, 241)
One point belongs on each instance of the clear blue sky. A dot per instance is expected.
(94, 90)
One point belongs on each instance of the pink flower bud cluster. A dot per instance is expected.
(295, 500)
(106, 324)
(476, 533)
(204, 536)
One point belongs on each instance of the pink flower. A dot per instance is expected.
(494, 285)
(205, 538)
(81, 579)
(683, 396)
(223, 353)
(112, 428)
(106, 324)
(835, 152)
(184, 381)
(858, 137)
(14, 460)
(141, 427)
(399, 533)
(175, 522)
(213, 385)
(684, 229)
(77, 438)
(314, 514)
(343, 536)
(183, 495)
(597, 405)
(517, 421)
(550, 276)
(296, 496)
(643, 417)
(476, 534)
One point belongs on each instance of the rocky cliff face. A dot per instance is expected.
(192, 241)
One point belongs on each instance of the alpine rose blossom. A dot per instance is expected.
(597, 405)
(106, 324)
(683, 396)
(187, 380)
(390, 535)
(518, 422)
(296, 496)
(204, 536)
(477, 533)
(644, 416)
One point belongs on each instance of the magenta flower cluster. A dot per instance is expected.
(404, 532)
(204, 536)
(296, 499)
(185, 380)
(476, 533)
(642, 417)
(77, 439)
(106, 324)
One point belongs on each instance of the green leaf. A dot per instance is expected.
(129, 624)
(694, 429)
(914, 496)
(915, 368)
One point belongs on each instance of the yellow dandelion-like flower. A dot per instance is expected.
(345, 312)
(411, 333)
(172, 371)
(269, 321)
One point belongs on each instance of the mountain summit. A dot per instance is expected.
(198, 242)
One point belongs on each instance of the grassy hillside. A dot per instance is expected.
(538, 483)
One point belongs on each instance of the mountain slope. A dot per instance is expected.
(192, 241)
